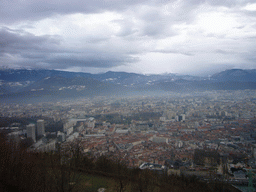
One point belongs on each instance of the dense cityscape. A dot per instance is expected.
(207, 134)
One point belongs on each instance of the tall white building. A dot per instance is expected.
(31, 131)
(40, 127)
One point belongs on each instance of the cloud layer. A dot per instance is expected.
(195, 37)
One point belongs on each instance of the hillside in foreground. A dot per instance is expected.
(70, 170)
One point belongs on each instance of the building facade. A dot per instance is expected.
(31, 131)
(40, 127)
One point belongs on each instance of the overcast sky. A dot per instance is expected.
(197, 37)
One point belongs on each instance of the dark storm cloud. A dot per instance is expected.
(114, 33)
(98, 60)
(17, 41)
(27, 50)
(14, 10)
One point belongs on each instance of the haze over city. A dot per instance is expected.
(177, 36)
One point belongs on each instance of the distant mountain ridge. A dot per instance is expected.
(237, 75)
(63, 84)
(36, 75)
(14, 75)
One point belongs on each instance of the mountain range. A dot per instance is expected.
(17, 84)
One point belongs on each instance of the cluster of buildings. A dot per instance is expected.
(166, 131)
(41, 143)
(34, 130)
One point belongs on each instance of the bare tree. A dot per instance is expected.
(64, 164)
(121, 174)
